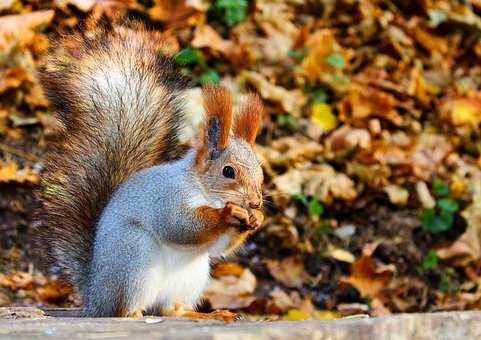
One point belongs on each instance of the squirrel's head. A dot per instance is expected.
(225, 158)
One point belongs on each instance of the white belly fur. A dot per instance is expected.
(175, 276)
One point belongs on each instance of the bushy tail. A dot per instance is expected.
(118, 101)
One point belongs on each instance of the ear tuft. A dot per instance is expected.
(248, 118)
(218, 108)
(216, 127)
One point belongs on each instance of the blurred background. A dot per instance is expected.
(370, 143)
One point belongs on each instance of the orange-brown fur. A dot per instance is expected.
(218, 106)
(248, 119)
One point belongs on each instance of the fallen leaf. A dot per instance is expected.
(227, 268)
(319, 181)
(463, 110)
(83, 5)
(17, 280)
(340, 254)
(367, 276)
(397, 195)
(322, 115)
(289, 271)
(54, 292)
(467, 247)
(326, 59)
(231, 292)
(9, 172)
(206, 36)
(18, 30)
(291, 101)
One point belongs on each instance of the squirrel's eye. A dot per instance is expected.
(228, 172)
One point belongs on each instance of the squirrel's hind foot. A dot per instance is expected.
(136, 313)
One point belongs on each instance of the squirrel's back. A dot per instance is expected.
(118, 100)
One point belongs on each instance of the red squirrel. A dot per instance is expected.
(131, 220)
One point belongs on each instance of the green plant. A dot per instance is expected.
(230, 12)
(317, 94)
(448, 283)
(314, 207)
(430, 261)
(210, 76)
(286, 120)
(336, 60)
(298, 55)
(188, 57)
(441, 217)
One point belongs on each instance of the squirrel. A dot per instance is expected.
(130, 217)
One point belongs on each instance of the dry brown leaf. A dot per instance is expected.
(319, 181)
(364, 101)
(290, 150)
(289, 271)
(463, 110)
(284, 301)
(321, 45)
(397, 195)
(9, 172)
(291, 101)
(175, 13)
(231, 292)
(12, 78)
(340, 254)
(18, 30)
(227, 268)
(467, 247)
(346, 138)
(367, 277)
(83, 5)
(54, 292)
(206, 36)
(17, 280)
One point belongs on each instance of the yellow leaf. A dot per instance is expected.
(466, 113)
(326, 315)
(322, 115)
(297, 314)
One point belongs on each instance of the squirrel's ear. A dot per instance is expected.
(218, 121)
(248, 118)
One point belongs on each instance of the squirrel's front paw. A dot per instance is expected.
(256, 218)
(236, 215)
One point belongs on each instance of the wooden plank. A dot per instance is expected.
(438, 326)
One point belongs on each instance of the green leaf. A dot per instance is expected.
(297, 54)
(209, 77)
(231, 12)
(319, 96)
(315, 207)
(189, 56)
(448, 205)
(300, 198)
(444, 284)
(430, 260)
(435, 223)
(286, 120)
(440, 188)
(447, 219)
(336, 60)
